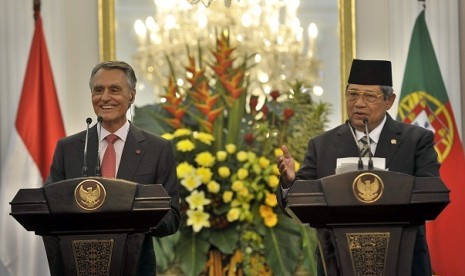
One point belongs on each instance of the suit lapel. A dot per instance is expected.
(132, 153)
(389, 140)
(344, 147)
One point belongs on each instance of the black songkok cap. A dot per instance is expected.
(371, 72)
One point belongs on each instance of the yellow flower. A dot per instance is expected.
(213, 187)
(233, 214)
(265, 210)
(275, 169)
(271, 220)
(227, 196)
(205, 159)
(242, 173)
(204, 137)
(168, 136)
(191, 181)
(241, 156)
(185, 145)
(251, 156)
(197, 200)
(237, 186)
(184, 169)
(278, 152)
(273, 181)
(271, 200)
(297, 165)
(230, 148)
(224, 172)
(221, 155)
(244, 192)
(197, 219)
(205, 174)
(264, 162)
(182, 132)
(269, 217)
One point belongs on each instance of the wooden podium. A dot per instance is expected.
(91, 226)
(367, 221)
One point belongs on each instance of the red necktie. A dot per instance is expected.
(109, 158)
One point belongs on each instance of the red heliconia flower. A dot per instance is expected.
(233, 85)
(174, 123)
(191, 68)
(288, 113)
(249, 138)
(214, 113)
(275, 94)
(176, 111)
(221, 68)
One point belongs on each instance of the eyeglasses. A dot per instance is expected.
(368, 96)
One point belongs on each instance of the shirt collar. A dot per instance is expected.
(122, 132)
(374, 134)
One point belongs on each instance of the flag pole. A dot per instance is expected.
(36, 8)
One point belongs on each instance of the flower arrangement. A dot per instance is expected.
(226, 143)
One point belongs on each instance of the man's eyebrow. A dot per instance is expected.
(110, 86)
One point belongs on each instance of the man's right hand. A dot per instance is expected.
(286, 166)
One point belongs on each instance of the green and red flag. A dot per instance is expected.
(424, 102)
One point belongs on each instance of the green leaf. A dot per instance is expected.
(225, 240)
(282, 246)
(164, 250)
(150, 118)
(193, 252)
(309, 244)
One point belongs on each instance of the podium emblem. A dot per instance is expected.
(90, 194)
(368, 187)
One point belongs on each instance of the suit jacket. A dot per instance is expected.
(146, 159)
(407, 148)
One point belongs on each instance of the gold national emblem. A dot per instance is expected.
(89, 194)
(368, 187)
(423, 109)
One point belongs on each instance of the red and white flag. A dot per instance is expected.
(38, 127)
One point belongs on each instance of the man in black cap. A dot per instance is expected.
(406, 148)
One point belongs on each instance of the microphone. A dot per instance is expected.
(84, 167)
(370, 160)
(98, 168)
(360, 162)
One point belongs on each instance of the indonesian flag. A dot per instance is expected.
(38, 127)
(424, 102)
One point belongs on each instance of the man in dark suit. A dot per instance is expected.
(141, 157)
(406, 148)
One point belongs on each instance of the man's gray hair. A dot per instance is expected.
(115, 64)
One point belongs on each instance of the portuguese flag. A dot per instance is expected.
(424, 101)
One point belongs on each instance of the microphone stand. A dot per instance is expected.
(360, 162)
(84, 167)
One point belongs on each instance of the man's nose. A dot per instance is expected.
(361, 101)
(106, 95)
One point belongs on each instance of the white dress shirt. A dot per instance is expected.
(122, 133)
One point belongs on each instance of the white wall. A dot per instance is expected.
(383, 31)
(71, 33)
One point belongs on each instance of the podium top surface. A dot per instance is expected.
(367, 196)
(87, 204)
